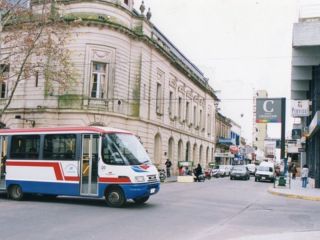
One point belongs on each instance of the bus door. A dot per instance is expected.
(89, 165)
(3, 157)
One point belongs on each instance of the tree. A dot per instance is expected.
(33, 45)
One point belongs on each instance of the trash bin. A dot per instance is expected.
(282, 181)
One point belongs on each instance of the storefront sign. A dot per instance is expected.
(225, 155)
(227, 141)
(300, 108)
(268, 110)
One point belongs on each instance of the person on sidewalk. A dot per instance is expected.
(304, 175)
(198, 172)
(168, 166)
(294, 171)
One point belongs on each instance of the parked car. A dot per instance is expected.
(265, 171)
(240, 172)
(224, 170)
(252, 169)
(215, 172)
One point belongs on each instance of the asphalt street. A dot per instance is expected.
(215, 209)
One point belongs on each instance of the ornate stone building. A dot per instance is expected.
(130, 77)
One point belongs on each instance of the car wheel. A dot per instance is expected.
(255, 179)
(15, 192)
(115, 197)
(140, 200)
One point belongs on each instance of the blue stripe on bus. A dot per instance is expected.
(73, 189)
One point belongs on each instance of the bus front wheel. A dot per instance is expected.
(140, 200)
(115, 197)
(15, 192)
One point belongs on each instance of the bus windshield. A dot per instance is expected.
(123, 149)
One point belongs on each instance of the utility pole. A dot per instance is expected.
(283, 127)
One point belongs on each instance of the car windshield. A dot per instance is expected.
(238, 168)
(123, 149)
(263, 168)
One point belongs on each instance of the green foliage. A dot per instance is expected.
(70, 101)
(138, 30)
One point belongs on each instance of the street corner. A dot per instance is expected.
(286, 193)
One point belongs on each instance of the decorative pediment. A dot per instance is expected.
(189, 94)
(103, 56)
(201, 101)
(196, 99)
(181, 89)
(173, 82)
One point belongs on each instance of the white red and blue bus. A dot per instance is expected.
(76, 161)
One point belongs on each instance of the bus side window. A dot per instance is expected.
(59, 147)
(25, 147)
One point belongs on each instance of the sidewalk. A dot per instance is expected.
(170, 179)
(296, 191)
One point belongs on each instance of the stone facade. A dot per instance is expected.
(130, 77)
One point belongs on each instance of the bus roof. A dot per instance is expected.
(86, 129)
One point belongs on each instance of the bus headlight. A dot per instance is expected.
(139, 178)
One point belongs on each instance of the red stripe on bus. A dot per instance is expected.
(56, 167)
(70, 178)
(114, 180)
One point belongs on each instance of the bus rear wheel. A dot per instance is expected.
(115, 197)
(15, 192)
(141, 200)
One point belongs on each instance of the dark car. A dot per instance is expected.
(239, 172)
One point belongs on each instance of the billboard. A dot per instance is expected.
(268, 110)
(300, 108)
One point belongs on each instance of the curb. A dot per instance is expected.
(295, 196)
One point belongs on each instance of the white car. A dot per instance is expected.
(265, 171)
(224, 170)
(252, 168)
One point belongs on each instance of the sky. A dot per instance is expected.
(240, 45)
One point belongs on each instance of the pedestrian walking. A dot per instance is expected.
(304, 175)
(168, 166)
(294, 171)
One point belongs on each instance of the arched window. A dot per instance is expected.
(180, 150)
(212, 155)
(207, 155)
(188, 151)
(157, 150)
(200, 155)
(194, 153)
(171, 149)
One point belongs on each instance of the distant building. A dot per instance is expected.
(259, 131)
(223, 140)
(228, 134)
